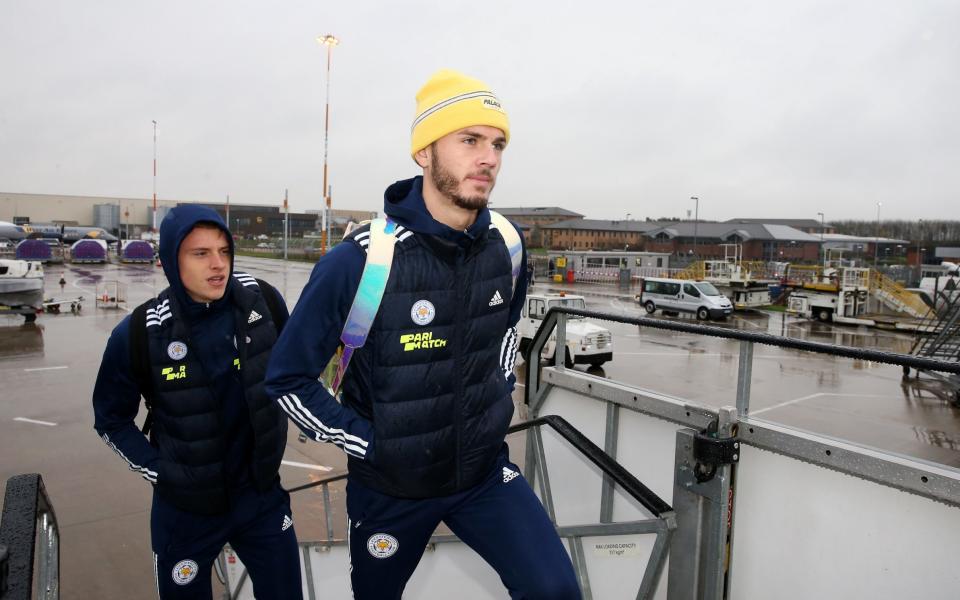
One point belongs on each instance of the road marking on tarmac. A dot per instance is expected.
(80, 287)
(34, 421)
(695, 354)
(46, 368)
(291, 463)
(750, 323)
(698, 354)
(817, 395)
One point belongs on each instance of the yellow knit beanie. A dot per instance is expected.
(450, 101)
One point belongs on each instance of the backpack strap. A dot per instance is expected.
(369, 294)
(272, 298)
(140, 361)
(140, 350)
(512, 239)
(373, 282)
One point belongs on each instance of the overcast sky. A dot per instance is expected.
(759, 108)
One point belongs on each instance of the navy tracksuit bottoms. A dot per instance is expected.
(258, 526)
(500, 518)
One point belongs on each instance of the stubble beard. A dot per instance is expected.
(448, 185)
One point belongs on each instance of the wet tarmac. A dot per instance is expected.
(47, 370)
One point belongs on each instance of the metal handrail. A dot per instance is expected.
(624, 478)
(880, 356)
(662, 524)
(931, 324)
(944, 342)
(701, 551)
(591, 451)
(27, 512)
(323, 481)
(693, 271)
(894, 289)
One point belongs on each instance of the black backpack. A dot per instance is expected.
(140, 352)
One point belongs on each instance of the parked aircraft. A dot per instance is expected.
(11, 232)
(69, 234)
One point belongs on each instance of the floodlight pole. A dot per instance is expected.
(822, 249)
(329, 41)
(696, 224)
(154, 230)
(876, 239)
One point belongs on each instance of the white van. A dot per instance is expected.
(668, 295)
(587, 343)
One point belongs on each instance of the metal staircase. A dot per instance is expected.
(733, 268)
(893, 295)
(938, 336)
(695, 271)
(588, 524)
(725, 271)
(808, 277)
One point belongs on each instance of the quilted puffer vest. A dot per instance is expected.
(429, 376)
(187, 414)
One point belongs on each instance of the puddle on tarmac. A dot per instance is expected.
(937, 438)
(17, 341)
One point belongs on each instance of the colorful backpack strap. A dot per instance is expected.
(512, 239)
(373, 282)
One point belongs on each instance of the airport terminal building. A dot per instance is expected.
(109, 213)
(129, 217)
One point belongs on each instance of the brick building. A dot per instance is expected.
(532, 220)
(766, 242)
(597, 234)
(811, 226)
(867, 248)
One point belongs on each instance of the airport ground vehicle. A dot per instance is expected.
(827, 306)
(679, 295)
(586, 342)
(21, 288)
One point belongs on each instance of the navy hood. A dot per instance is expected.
(403, 202)
(177, 225)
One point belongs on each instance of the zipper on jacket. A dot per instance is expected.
(458, 356)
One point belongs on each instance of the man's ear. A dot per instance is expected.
(422, 157)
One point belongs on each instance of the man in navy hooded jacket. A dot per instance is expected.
(426, 401)
(216, 440)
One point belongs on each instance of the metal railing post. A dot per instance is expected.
(744, 375)
(701, 544)
(560, 347)
(48, 567)
(326, 511)
(28, 529)
(610, 447)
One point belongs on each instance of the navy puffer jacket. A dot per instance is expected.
(427, 401)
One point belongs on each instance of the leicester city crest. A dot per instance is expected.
(422, 312)
(184, 572)
(177, 350)
(382, 545)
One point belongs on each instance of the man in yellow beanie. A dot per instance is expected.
(426, 401)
